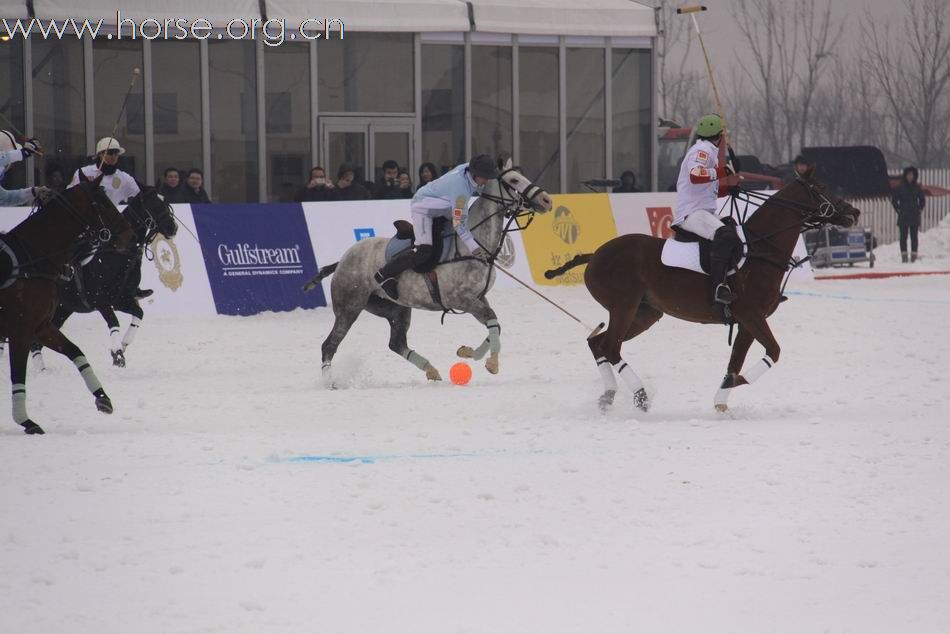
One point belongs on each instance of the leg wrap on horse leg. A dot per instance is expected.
(92, 382)
(480, 352)
(607, 375)
(417, 360)
(19, 404)
(494, 335)
(131, 332)
(756, 371)
(115, 339)
(629, 376)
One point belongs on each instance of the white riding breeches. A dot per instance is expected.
(422, 225)
(702, 223)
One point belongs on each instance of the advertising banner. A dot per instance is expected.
(257, 256)
(578, 223)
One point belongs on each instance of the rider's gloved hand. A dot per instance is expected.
(31, 147)
(42, 193)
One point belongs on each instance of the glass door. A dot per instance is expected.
(366, 143)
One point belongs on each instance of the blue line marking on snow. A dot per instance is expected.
(886, 300)
(372, 459)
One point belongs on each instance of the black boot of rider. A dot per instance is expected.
(724, 246)
(388, 276)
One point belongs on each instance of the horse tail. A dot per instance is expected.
(325, 271)
(578, 260)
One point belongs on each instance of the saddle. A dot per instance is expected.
(689, 251)
(443, 248)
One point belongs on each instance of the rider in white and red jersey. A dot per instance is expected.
(704, 177)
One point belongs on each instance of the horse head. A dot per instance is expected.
(824, 208)
(531, 196)
(89, 203)
(150, 210)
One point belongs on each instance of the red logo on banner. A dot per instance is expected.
(660, 220)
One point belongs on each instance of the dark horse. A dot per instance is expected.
(32, 258)
(109, 282)
(627, 278)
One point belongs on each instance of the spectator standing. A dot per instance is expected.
(388, 188)
(171, 186)
(908, 200)
(318, 189)
(427, 174)
(628, 184)
(347, 187)
(405, 184)
(194, 191)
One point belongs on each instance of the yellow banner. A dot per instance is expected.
(578, 223)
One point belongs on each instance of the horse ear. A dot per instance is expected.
(82, 176)
(504, 162)
(98, 180)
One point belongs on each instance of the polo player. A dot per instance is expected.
(696, 191)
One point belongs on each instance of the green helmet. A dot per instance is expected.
(709, 126)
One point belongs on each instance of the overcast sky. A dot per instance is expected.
(724, 40)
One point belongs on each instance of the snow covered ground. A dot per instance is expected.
(231, 493)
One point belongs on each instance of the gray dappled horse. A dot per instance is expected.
(462, 281)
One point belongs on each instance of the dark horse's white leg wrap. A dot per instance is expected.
(607, 375)
(19, 404)
(92, 382)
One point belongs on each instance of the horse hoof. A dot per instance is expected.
(721, 408)
(606, 400)
(641, 400)
(118, 358)
(31, 428)
(104, 404)
(465, 352)
(432, 374)
(492, 365)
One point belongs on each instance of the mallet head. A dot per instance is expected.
(691, 9)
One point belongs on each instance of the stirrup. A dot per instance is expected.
(724, 294)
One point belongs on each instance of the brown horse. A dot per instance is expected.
(626, 277)
(32, 258)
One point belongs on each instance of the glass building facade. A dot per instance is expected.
(255, 118)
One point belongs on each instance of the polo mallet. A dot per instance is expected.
(22, 137)
(135, 75)
(692, 11)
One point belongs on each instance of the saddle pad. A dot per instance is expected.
(685, 255)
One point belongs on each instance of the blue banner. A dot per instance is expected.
(258, 257)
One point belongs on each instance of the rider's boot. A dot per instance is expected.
(388, 276)
(723, 246)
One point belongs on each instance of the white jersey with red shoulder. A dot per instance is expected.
(696, 187)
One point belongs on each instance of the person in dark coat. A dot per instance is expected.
(908, 200)
(628, 184)
(194, 190)
(405, 184)
(318, 188)
(388, 187)
(347, 187)
(170, 188)
(427, 173)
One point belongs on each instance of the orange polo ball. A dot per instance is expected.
(460, 373)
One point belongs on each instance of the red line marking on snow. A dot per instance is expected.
(879, 275)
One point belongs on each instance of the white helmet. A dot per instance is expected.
(8, 141)
(108, 143)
